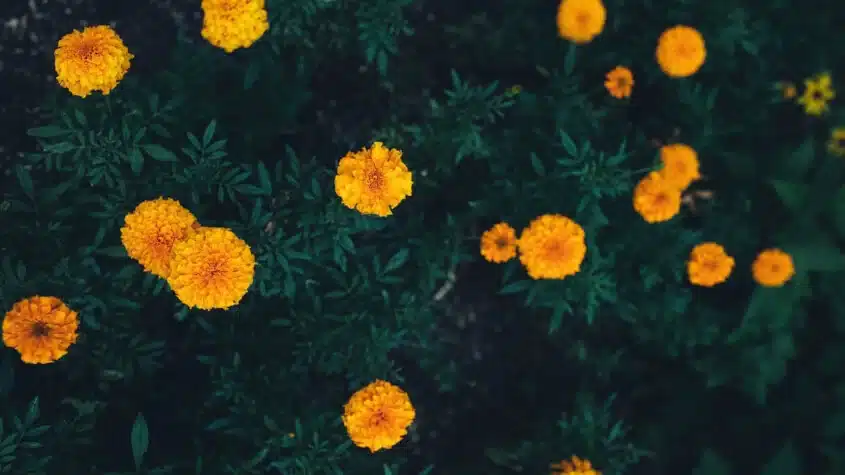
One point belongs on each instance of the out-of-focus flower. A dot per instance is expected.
(41, 329)
(579, 21)
(836, 142)
(787, 89)
(498, 244)
(552, 247)
(574, 466)
(818, 91)
(679, 165)
(233, 24)
(374, 180)
(680, 51)
(656, 199)
(150, 231)
(709, 264)
(94, 59)
(619, 82)
(377, 416)
(772, 268)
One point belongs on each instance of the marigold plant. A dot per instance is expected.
(836, 142)
(680, 51)
(377, 416)
(94, 59)
(619, 82)
(40, 328)
(233, 24)
(574, 466)
(373, 180)
(150, 231)
(656, 199)
(818, 92)
(552, 247)
(498, 244)
(772, 268)
(709, 264)
(579, 21)
(679, 165)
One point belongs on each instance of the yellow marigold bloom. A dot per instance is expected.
(94, 59)
(680, 51)
(818, 91)
(377, 416)
(552, 247)
(579, 21)
(150, 231)
(212, 268)
(836, 143)
(709, 264)
(498, 244)
(41, 329)
(679, 165)
(656, 199)
(374, 180)
(233, 24)
(772, 268)
(619, 82)
(574, 466)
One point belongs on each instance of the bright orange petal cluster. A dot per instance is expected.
(374, 180)
(498, 244)
(709, 264)
(772, 268)
(377, 416)
(619, 82)
(233, 24)
(679, 165)
(94, 59)
(579, 21)
(656, 199)
(680, 51)
(552, 247)
(41, 329)
(150, 231)
(574, 466)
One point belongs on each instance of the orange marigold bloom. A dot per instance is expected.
(709, 264)
(498, 244)
(579, 21)
(94, 59)
(574, 466)
(656, 199)
(374, 180)
(41, 329)
(680, 51)
(772, 268)
(680, 165)
(377, 416)
(619, 82)
(212, 268)
(150, 231)
(552, 247)
(233, 24)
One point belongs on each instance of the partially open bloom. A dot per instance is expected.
(579, 21)
(377, 416)
(150, 231)
(619, 82)
(212, 268)
(709, 264)
(818, 91)
(552, 247)
(680, 51)
(94, 59)
(679, 165)
(772, 268)
(233, 24)
(374, 180)
(498, 244)
(41, 329)
(574, 466)
(836, 142)
(656, 199)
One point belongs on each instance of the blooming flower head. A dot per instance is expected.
(374, 180)
(377, 416)
(679, 165)
(233, 24)
(619, 82)
(498, 244)
(709, 264)
(680, 51)
(818, 91)
(772, 268)
(94, 59)
(552, 247)
(579, 21)
(41, 329)
(657, 199)
(836, 142)
(150, 231)
(574, 466)
(212, 268)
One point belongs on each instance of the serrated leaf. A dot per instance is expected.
(47, 131)
(25, 180)
(397, 261)
(157, 152)
(139, 439)
(208, 135)
(264, 179)
(537, 165)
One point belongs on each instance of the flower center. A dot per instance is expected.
(374, 179)
(213, 269)
(502, 243)
(582, 18)
(40, 330)
(86, 51)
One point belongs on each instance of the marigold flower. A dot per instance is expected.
(212, 268)
(579, 21)
(619, 82)
(552, 247)
(836, 142)
(679, 165)
(374, 180)
(680, 51)
(94, 59)
(41, 329)
(709, 264)
(574, 466)
(498, 244)
(818, 91)
(656, 199)
(377, 416)
(150, 231)
(233, 24)
(772, 268)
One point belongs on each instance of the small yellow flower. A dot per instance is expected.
(41, 329)
(233, 24)
(552, 247)
(377, 416)
(619, 82)
(656, 199)
(574, 466)
(709, 264)
(374, 180)
(680, 51)
(94, 59)
(836, 143)
(513, 90)
(150, 231)
(772, 268)
(818, 91)
(498, 244)
(579, 21)
(679, 165)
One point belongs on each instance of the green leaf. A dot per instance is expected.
(537, 165)
(139, 439)
(208, 135)
(711, 464)
(264, 179)
(792, 195)
(251, 74)
(47, 131)
(785, 462)
(136, 161)
(569, 59)
(818, 257)
(515, 287)
(25, 181)
(157, 152)
(798, 162)
(397, 261)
